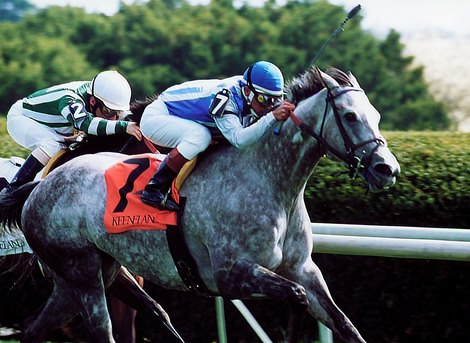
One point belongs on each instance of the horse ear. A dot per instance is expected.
(327, 80)
(353, 80)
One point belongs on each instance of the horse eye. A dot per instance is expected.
(351, 117)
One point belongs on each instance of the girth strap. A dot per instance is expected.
(184, 262)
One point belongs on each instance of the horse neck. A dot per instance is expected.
(290, 157)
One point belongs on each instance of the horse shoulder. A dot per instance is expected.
(298, 245)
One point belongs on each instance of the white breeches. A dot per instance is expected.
(30, 134)
(164, 129)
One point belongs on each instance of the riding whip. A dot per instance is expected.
(340, 28)
(351, 14)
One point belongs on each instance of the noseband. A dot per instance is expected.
(354, 162)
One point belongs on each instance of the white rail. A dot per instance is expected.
(392, 241)
(407, 232)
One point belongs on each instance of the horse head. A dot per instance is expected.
(348, 130)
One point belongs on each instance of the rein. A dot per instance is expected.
(147, 143)
(354, 163)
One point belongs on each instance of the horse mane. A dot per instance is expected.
(310, 83)
(137, 107)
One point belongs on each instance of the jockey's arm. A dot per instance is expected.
(242, 137)
(83, 120)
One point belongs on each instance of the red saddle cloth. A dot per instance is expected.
(124, 210)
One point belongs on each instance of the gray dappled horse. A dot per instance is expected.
(244, 221)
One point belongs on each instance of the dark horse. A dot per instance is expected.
(244, 221)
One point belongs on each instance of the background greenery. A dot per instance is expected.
(162, 42)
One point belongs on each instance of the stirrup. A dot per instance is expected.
(169, 203)
(165, 203)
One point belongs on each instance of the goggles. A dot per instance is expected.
(107, 112)
(268, 101)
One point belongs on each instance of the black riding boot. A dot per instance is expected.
(25, 174)
(157, 192)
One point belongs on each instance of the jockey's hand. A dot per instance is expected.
(134, 130)
(77, 137)
(284, 110)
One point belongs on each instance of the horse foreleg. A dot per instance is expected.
(321, 305)
(126, 288)
(246, 279)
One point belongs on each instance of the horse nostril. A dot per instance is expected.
(384, 169)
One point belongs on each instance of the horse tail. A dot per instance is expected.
(11, 206)
(22, 265)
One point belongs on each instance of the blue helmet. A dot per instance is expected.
(265, 78)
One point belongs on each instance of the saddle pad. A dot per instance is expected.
(124, 210)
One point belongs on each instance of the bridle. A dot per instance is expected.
(355, 162)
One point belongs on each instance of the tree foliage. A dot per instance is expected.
(162, 42)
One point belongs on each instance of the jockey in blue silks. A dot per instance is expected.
(188, 116)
